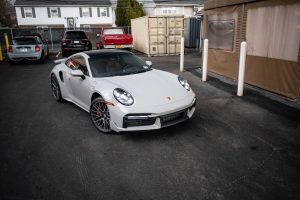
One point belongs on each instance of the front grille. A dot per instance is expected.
(131, 121)
(173, 118)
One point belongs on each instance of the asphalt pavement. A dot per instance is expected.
(233, 148)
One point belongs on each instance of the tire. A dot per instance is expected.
(100, 116)
(56, 89)
(47, 54)
(11, 62)
(42, 58)
(63, 54)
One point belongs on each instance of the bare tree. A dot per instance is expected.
(5, 18)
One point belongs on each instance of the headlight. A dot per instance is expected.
(123, 97)
(184, 83)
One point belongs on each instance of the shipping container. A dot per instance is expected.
(157, 35)
(192, 32)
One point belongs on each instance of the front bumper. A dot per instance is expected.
(166, 116)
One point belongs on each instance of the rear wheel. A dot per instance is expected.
(55, 88)
(100, 115)
(42, 58)
(11, 62)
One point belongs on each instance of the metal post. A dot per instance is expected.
(242, 69)
(11, 33)
(182, 54)
(1, 56)
(204, 60)
(6, 41)
(51, 38)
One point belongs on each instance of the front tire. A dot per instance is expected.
(100, 116)
(56, 89)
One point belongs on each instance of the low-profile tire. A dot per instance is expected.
(11, 62)
(56, 89)
(100, 116)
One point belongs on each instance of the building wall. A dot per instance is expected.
(267, 70)
(42, 18)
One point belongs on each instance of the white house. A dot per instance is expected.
(64, 13)
(187, 8)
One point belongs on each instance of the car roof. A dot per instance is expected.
(95, 53)
(74, 31)
(25, 36)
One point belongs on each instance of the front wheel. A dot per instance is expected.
(55, 88)
(100, 115)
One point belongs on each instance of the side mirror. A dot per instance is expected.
(149, 63)
(77, 73)
(46, 41)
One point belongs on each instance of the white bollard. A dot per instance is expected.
(182, 55)
(242, 63)
(204, 60)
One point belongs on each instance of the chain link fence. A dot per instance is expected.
(53, 35)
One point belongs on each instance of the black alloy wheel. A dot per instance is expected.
(100, 116)
(55, 88)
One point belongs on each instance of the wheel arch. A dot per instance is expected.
(95, 95)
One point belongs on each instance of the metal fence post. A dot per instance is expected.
(51, 38)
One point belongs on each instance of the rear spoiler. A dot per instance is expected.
(60, 61)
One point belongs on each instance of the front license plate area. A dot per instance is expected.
(118, 46)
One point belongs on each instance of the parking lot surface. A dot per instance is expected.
(233, 148)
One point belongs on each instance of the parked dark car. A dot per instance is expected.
(75, 41)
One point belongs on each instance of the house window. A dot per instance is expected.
(85, 12)
(86, 27)
(28, 12)
(54, 12)
(103, 12)
(168, 10)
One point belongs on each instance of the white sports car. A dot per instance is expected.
(122, 92)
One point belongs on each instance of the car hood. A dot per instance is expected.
(151, 88)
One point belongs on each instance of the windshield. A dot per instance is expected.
(26, 41)
(75, 35)
(115, 31)
(117, 64)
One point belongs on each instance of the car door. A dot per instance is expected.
(80, 86)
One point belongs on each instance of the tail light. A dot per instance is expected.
(10, 49)
(65, 41)
(98, 45)
(37, 48)
(85, 41)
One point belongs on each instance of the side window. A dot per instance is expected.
(78, 62)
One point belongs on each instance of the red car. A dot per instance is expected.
(112, 38)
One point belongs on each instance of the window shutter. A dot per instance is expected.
(90, 9)
(107, 12)
(33, 12)
(98, 11)
(59, 13)
(22, 12)
(48, 11)
(80, 12)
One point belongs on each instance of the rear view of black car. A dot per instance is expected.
(75, 41)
